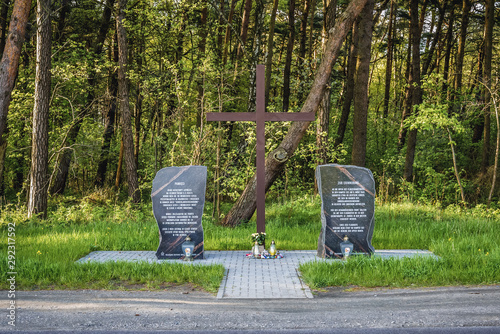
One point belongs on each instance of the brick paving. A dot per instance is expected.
(246, 277)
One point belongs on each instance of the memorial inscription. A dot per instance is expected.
(178, 197)
(347, 208)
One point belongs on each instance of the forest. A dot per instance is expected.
(97, 95)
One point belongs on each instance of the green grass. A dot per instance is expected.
(292, 224)
(466, 240)
(36, 273)
(46, 251)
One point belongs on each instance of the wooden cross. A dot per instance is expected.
(260, 116)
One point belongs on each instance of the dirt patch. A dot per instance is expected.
(128, 286)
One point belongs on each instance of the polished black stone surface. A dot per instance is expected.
(347, 208)
(178, 197)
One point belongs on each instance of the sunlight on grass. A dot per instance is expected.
(465, 239)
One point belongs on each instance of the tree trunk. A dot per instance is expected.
(329, 16)
(488, 52)
(63, 13)
(459, 63)
(137, 122)
(289, 53)
(348, 87)
(303, 69)
(227, 38)
(64, 158)
(217, 172)
(417, 88)
(361, 85)
(246, 204)
(220, 32)
(495, 165)
(109, 131)
(478, 125)
(63, 162)
(322, 129)
(422, 15)
(466, 7)
(447, 56)
(407, 102)
(10, 58)
(139, 97)
(118, 178)
(126, 122)
(244, 29)
(435, 39)
(4, 12)
(109, 124)
(179, 49)
(201, 56)
(160, 126)
(388, 65)
(21, 172)
(258, 32)
(310, 42)
(455, 168)
(270, 49)
(303, 31)
(431, 29)
(37, 201)
(323, 123)
(3, 150)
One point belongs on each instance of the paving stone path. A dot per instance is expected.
(246, 277)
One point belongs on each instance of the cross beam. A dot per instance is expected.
(260, 117)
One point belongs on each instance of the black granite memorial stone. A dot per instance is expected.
(178, 197)
(347, 208)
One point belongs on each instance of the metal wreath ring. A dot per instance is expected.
(280, 155)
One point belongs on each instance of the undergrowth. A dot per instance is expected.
(466, 240)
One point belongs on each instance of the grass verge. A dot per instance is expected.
(466, 240)
(46, 251)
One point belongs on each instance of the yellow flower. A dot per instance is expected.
(38, 253)
(449, 239)
(487, 253)
(479, 250)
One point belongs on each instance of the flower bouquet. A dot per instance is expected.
(260, 237)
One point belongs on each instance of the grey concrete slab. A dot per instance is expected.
(246, 277)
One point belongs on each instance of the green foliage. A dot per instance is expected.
(433, 114)
(260, 238)
(46, 250)
(176, 75)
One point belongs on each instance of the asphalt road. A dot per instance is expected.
(434, 330)
(431, 310)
